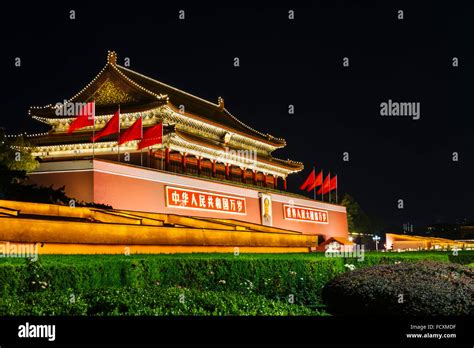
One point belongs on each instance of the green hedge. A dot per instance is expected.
(148, 301)
(377, 258)
(274, 276)
(464, 258)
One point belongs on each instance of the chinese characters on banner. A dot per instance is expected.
(294, 212)
(191, 199)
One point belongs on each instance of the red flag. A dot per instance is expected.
(309, 180)
(112, 127)
(317, 182)
(84, 119)
(333, 184)
(152, 136)
(327, 181)
(134, 132)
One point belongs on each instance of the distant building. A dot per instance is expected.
(467, 232)
(403, 242)
(460, 230)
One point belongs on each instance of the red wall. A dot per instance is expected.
(78, 185)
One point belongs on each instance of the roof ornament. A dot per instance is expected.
(112, 58)
(227, 137)
(220, 101)
(164, 97)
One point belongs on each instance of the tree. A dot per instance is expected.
(18, 156)
(357, 220)
(15, 162)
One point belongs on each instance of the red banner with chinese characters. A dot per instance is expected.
(305, 214)
(199, 200)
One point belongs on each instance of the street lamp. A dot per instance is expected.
(376, 239)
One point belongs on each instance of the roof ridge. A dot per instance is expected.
(159, 96)
(245, 125)
(287, 160)
(75, 95)
(108, 64)
(168, 86)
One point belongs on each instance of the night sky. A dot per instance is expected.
(282, 62)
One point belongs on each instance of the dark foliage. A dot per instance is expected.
(422, 288)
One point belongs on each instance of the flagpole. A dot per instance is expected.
(141, 138)
(118, 138)
(93, 134)
(163, 155)
(329, 187)
(336, 189)
(322, 185)
(314, 179)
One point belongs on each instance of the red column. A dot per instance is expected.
(284, 184)
(183, 162)
(275, 181)
(167, 158)
(227, 171)
(199, 165)
(150, 158)
(254, 177)
(243, 174)
(213, 168)
(264, 179)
